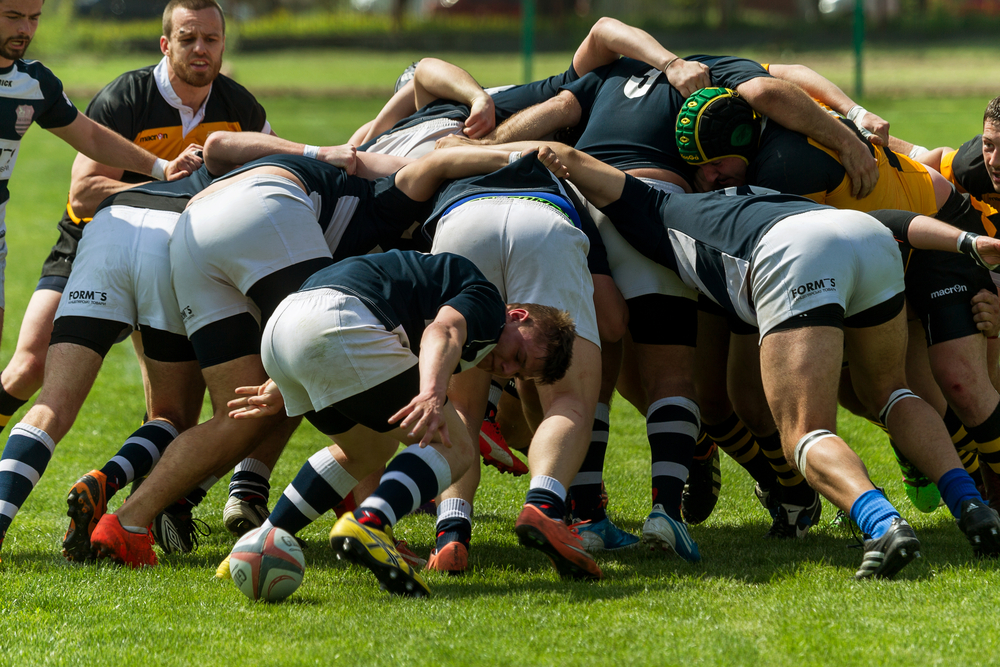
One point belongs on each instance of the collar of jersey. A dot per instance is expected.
(190, 118)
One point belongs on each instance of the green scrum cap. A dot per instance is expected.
(716, 123)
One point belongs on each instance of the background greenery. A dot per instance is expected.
(750, 601)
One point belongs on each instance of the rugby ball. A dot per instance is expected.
(267, 564)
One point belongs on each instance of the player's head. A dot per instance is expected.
(194, 38)
(718, 129)
(991, 141)
(18, 22)
(536, 343)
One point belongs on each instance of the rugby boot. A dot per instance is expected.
(660, 531)
(889, 554)
(110, 540)
(704, 482)
(981, 526)
(87, 503)
(561, 543)
(373, 549)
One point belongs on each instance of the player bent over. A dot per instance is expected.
(351, 351)
(823, 282)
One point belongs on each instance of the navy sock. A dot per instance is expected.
(320, 484)
(138, 455)
(24, 460)
(672, 426)
(550, 503)
(873, 513)
(586, 497)
(251, 478)
(414, 477)
(956, 487)
(456, 529)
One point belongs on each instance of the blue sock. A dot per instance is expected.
(956, 487)
(873, 513)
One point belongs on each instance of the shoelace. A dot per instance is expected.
(842, 518)
(198, 527)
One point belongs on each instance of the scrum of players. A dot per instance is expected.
(490, 266)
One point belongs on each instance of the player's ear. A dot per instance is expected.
(164, 45)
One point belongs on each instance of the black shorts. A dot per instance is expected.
(939, 288)
(59, 263)
(736, 325)
(99, 335)
(659, 319)
(371, 408)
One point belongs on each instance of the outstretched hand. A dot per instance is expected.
(424, 418)
(262, 401)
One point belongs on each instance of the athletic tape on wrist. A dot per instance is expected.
(915, 151)
(966, 244)
(513, 157)
(857, 112)
(311, 151)
(160, 169)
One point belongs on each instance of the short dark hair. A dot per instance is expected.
(558, 334)
(194, 6)
(992, 114)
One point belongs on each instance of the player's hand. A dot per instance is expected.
(688, 76)
(424, 418)
(986, 312)
(184, 164)
(482, 118)
(345, 157)
(548, 157)
(453, 140)
(262, 401)
(988, 249)
(861, 167)
(875, 129)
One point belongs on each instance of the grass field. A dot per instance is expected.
(749, 602)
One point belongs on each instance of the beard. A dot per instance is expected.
(193, 78)
(10, 53)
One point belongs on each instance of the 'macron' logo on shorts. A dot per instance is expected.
(954, 289)
(813, 287)
(88, 296)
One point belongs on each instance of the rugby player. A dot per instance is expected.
(719, 133)
(856, 309)
(352, 350)
(241, 246)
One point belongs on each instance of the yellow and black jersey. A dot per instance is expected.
(134, 107)
(965, 168)
(793, 163)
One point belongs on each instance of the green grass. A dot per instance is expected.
(749, 602)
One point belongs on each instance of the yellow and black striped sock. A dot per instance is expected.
(8, 406)
(794, 489)
(968, 451)
(734, 438)
(987, 437)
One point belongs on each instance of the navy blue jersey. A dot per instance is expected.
(356, 215)
(29, 93)
(633, 112)
(407, 289)
(507, 101)
(707, 239)
(162, 195)
(528, 178)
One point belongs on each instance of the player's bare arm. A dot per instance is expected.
(609, 38)
(436, 79)
(225, 151)
(92, 182)
(103, 145)
(440, 353)
(790, 106)
(830, 94)
(539, 121)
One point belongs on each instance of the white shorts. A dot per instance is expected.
(822, 257)
(529, 250)
(322, 346)
(634, 273)
(417, 140)
(122, 270)
(229, 240)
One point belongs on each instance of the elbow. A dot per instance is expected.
(81, 206)
(214, 143)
